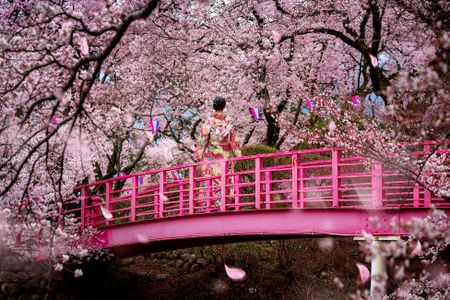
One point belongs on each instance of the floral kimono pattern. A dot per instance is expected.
(217, 141)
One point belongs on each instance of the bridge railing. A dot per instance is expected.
(305, 179)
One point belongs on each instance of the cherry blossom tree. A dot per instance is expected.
(81, 80)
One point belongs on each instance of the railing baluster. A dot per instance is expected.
(181, 209)
(258, 165)
(162, 190)
(134, 192)
(269, 197)
(108, 198)
(208, 194)
(237, 191)
(295, 187)
(191, 189)
(377, 184)
(427, 192)
(223, 184)
(416, 195)
(335, 173)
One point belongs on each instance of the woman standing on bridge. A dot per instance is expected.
(217, 140)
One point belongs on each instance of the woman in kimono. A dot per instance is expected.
(217, 141)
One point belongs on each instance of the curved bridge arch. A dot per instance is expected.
(286, 194)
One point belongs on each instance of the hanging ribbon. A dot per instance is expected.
(54, 121)
(309, 104)
(355, 100)
(154, 125)
(176, 176)
(256, 113)
(140, 180)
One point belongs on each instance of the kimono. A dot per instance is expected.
(217, 141)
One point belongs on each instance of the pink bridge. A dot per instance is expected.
(280, 195)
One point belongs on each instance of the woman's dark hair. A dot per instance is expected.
(219, 103)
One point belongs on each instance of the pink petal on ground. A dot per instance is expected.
(234, 274)
(364, 273)
(417, 250)
(106, 213)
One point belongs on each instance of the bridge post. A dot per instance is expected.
(335, 173)
(181, 195)
(223, 185)
(134, 190)
(426, 192)
(84, 197)
(295, 186)
(258, 163)
(108, 197)
(162, 190)
(377, 184)
(191, 189)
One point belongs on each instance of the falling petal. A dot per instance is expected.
(128, 118)
(331, 126)
(78, 273)
(417, 250)
(276, 36)
(373, 60)
(106, 213)
(164, 197)
(367, 236)
(364, 273)
(168, 156)
(326, 244)
(141, 238)
(235, 274)
(84, 47)
(338, 282)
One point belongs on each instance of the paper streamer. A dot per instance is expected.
(154, 125)
(256, 113)
(140, 180)
(54, 121)
(176, 176)
(309, 104)
(355, 100)
(235, 274)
